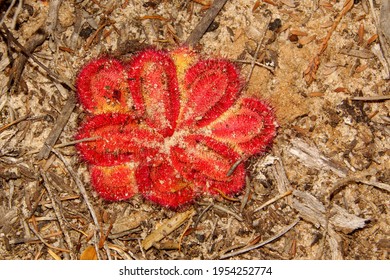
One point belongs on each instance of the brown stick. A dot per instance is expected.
(36, 40)
(58, 214)
(58, 127)
(19, 64)
(246, 249)
(205, 22)
(83, 192)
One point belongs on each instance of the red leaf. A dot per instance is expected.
(210, 88)
(249, 127)
(163, 185)
(119, 138)
(153, 80)
(102, 86)
(207, 162)
(114, 182)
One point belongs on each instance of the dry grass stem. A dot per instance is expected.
(254, 247)
(228, 211)
(58, 128)
(371, 98)
(269, 202)
(58, 214)
(83, 192)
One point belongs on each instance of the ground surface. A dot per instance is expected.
(328, 170)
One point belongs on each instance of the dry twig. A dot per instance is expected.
(272, 200)
(346, 181)
(247, 249)
(7, 12)
(57, 128)
(58, 214)
(36, 40)
(205, 22)
(371, 98)
(228, 211)
(44, 242)
(27, 52)
(86, 199)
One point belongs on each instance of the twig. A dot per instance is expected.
(184, 233)
(33, 239)
(379, 185)
(371, 98)
(66, 144)
(6, 126)
(269, 68)
(7, 12)
(223, 209)
(44, 242)
(86, 199)
(346, 181)
(58, 127)
(16, 14)
(246, 249)
(120, 251)
(35, 205)
(18, 66)
(276, 198)
(259, 45)
(245, 198)
(57, 211)
(201, 215)
(36, 40)
(205, 22)
(71, 143)
(233, 167)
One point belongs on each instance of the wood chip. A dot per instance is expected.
(306, 40)
(312, 157)
(309, 208)
(371, 98)
(344, 221)
(128, 222)
(298, 32)
(166, 228)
